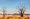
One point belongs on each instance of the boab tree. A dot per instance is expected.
(21, 10)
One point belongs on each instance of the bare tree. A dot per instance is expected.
(21, 10)
(4, 10)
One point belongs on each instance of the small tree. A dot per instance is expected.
(4, 10)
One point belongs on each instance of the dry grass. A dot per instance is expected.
(14, 17)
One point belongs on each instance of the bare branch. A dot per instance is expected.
(22, 9)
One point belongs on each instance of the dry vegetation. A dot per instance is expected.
(14, 17)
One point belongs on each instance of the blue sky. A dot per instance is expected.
(11, 4)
